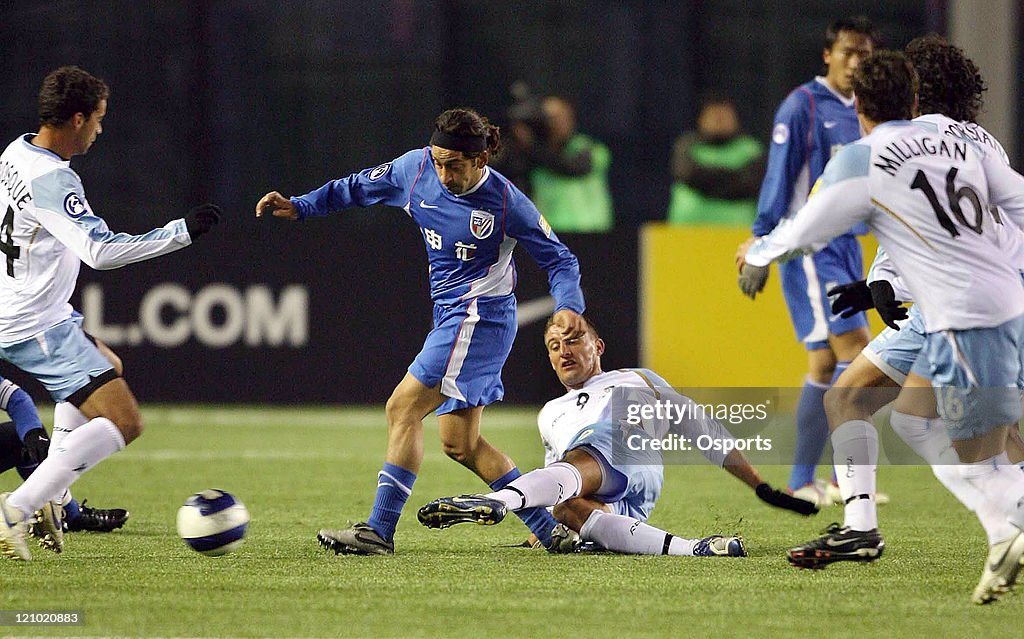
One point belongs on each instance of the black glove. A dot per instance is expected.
(780, 499)
(850, 299)
(36, 446)
(752, 279)
(889, 309)
(201, 219)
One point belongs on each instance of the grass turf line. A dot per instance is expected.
(299, 469)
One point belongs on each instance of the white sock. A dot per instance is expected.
(855, 457)
(544, 487)
(82, 449)
(627, 535)
(929, 438)
(66, 418)
(947, 470)
(1001, 483)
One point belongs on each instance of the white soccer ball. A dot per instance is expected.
(213, 522)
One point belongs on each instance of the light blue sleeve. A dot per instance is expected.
(62, 209)
(840, 202)
(852, 161)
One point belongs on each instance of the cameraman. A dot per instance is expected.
(564, 171)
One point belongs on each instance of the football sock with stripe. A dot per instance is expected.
(811, 434)
(548, 486)
(538, 519)
(82, 449)
(394, 485)
(855, 460)
(619, 533)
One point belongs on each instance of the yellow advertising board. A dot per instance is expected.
(698, 330)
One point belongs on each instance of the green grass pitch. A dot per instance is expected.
(300, 469)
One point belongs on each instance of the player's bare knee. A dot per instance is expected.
(398, 411)
(461, 450)
(572, 514)
(130, 430)
(836, 400)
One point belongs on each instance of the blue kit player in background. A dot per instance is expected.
(471, 218)
(24, 443)
(811, 125)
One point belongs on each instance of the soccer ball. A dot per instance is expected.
(213, 522)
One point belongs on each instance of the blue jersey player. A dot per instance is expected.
(813, 122)
(471, 219)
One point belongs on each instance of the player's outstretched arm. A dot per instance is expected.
(277, 205)
(61, 208)
(737, 465)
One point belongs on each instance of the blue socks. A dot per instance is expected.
(811, 430)
(811, 434)
(538, 520)
(394, 485)
(72, 510)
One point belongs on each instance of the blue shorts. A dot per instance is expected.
(64, 360)
(894, 352)
(975, 374)
(632, 480)
(805, 281)
(466, 350)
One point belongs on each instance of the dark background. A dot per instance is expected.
(226, 100)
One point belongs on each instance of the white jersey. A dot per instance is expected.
(47, 230)
(929, 200)
(562, 419)
(882, 267)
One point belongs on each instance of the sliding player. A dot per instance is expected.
(599, 484)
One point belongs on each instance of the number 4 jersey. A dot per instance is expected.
(47, 231)
(930, 201)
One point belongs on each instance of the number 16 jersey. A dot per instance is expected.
(930, 201)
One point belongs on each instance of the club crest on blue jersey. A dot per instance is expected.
(481, 224)
(780, 134)
(74, 206)
(379, 171)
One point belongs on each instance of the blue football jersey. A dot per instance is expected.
(469, 237)
(811, 125)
